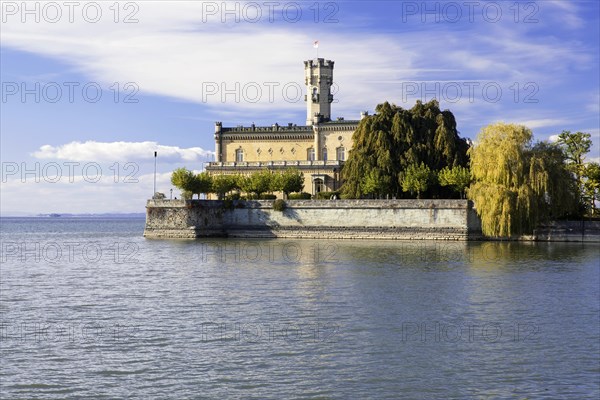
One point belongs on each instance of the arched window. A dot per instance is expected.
(310, 154)
(341, 154)
(318, 185)
(324, 153)
(239, 155)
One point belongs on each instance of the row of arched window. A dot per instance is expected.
(340, 154)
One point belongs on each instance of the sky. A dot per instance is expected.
(90, 90)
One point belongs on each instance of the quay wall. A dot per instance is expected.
(568, 231)
(315, 219)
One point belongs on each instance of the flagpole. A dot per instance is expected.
(154, 174)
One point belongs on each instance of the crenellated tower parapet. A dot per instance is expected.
(318, 78)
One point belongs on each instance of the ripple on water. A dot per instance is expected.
(379, 321)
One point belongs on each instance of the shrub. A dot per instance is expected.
(279, 205)
(233, 196)
(267, 197)
(327, 195)
(299, 196)
(228, 204)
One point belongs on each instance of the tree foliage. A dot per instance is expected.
(291, 180)
(183, 179)
(393, 139)
(458, 178)
(257, 183)
(375, 183)
(202, 183)
(592, 185)
(516, 185)
(223, 184)
(576, 146)
(190, 183)
(417, 178)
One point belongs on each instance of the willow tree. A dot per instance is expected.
(516, 185)
(386, 143)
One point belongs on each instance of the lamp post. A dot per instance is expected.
(171, 196)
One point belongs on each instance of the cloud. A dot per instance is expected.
(568, 13)
(542, 123)
(593, 159)
(176, 51)
(21, 195)
(121, 151)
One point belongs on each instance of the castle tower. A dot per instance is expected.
(318, 76)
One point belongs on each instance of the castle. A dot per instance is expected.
(318, 149)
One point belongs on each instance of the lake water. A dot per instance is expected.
(91, 309)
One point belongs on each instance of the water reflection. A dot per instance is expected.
(353, 319)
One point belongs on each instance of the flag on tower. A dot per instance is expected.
(316, 44)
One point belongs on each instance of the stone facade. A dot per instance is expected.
(318, 148)
(339, 219)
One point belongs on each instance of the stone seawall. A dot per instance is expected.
(568, 231)
(330, 219)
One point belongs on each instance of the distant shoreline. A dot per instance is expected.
(59, 216)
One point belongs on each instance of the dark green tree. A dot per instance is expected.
(394, 138)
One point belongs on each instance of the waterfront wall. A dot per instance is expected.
(568, 231)
(331, 219)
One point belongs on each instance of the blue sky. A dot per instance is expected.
(179, 66)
